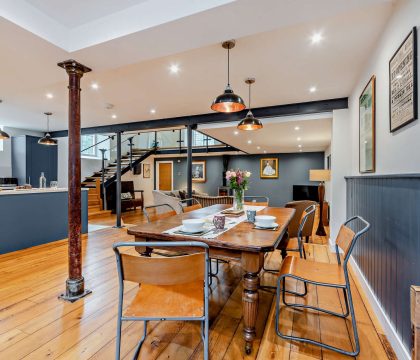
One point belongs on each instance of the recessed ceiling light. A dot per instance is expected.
(236, 132)
(249, 141)
(297, 128)
(300, 145)
(312, 89)
(94, 86)
(114, 116)
(316, 38)
(153, 111)
(258, 147)
(300, 150)
(174, 68)
(298, 139)
(49, 95)
(265, 151)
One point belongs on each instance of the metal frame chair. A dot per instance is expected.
(254, 201)
(151, 218)
(194, 204)
(160, 272)
(295, 268)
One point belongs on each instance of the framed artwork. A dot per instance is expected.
(146, 171)
(403, 83)
(199, 171)
(269, 168)
(367, 116)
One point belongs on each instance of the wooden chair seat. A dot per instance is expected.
(166, 301)
(323, 273)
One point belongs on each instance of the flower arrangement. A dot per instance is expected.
(238, 182)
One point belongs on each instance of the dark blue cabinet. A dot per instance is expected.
(29, 159)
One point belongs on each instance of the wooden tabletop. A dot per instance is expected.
(240, 237)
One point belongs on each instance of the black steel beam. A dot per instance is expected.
(304, 108)
(189, 161)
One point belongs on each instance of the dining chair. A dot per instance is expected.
(158, 212)
(323, 274)
(170, 289)
(188, 205)
(256, 200)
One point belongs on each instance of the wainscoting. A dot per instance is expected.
(389, 254)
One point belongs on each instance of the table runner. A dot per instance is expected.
(213, 232)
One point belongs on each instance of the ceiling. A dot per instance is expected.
(131, 54)
(279, 135)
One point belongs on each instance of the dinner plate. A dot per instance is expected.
(184, 230)
(272, 226)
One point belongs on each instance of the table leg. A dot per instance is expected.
(252, 264)
(250, 299)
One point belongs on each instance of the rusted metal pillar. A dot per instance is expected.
(75, 284)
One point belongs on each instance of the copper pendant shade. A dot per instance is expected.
(250, 122)
(228, 101)
(47, 139)
(4, 135)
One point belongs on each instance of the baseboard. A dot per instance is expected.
(400, 350)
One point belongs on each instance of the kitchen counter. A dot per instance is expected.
(35, 216)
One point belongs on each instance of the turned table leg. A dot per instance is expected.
(251, 264)
(250, 298)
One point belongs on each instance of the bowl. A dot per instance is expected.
(193, 224)
(265, 220)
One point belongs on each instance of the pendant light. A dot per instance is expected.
(4, 135)
(47, 139)
(228, 101)
(250, 122)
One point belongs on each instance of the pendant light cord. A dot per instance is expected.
(48, 123)
(249, 96)
(228, 66)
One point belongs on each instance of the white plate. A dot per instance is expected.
(272, 226)
(184, 230)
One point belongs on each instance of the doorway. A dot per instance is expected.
(164, 175)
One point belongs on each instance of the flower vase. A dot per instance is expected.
(238, 200)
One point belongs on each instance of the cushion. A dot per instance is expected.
(126, 196)
(182, 194)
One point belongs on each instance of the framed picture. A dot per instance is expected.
(146, 171)
(367, 115)
(403, 83)
(199, 171)
(269, 168)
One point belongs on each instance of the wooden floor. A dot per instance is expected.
(34, 324)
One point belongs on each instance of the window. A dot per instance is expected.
(86, 142)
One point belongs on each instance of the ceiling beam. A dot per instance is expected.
(311, 107)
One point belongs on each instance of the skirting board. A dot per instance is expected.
(400, 350)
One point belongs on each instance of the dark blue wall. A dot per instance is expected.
(388, 255)
(293, 170)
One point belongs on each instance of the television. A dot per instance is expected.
(305, 192)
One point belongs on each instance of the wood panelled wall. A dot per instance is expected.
(389, 255)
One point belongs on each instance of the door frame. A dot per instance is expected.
(157, 172)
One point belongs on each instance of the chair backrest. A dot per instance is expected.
(256, 200)
(213, 200)
(158, 212)
(188, 205)
(160, 197)
(346, 238)
(300, 207)
(173, 270)
(307, 214)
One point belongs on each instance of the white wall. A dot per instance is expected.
(398, 152)
(6, 154)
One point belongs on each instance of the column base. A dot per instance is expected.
(75, 290)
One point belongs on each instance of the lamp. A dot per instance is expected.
(4, 135)
(320, 175)
(47, 139)
(228, 101)
(250, 122)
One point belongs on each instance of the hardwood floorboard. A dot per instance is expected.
(34, 324)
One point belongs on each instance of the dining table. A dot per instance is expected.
(243, 243)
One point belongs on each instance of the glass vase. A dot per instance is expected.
(238, 200)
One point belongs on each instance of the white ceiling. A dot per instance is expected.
(273, 44)
(278, 134)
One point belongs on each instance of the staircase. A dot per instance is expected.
(94, 182)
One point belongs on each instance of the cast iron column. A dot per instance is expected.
(189, 161)
(118, 184)
(75, 284)
(103, 179)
